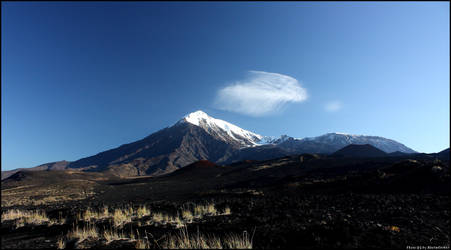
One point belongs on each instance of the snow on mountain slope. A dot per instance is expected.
(222, 129)
(342, 139)
(241, 138)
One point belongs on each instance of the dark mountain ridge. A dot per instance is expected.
(355, 150)
(58, 165)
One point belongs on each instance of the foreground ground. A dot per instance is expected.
(303, 201)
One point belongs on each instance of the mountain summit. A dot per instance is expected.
(222, 130)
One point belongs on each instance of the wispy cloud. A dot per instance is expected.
(333, 106)
(260, 94)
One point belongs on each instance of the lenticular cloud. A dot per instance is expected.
(260, 94)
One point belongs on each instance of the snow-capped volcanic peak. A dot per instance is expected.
(222, 129)
(196, 117)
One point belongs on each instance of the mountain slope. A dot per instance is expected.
(263, 152)
(444, 154)
(355, 150)
(161, 152)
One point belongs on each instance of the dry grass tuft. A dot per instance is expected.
(26, 217)
(38, 216)
(208, 209)
(187, 215)
(211, 210)
(90, 214)
(142, 211)
(88, 231)
(233, 241)
(200, 241)
(142, 244)
(157, 217)
(178, 222)
(121, 217)
(198, 211)
(60, 243)
(227, 211)
(105, 212)
(114, 234)
(160, 218)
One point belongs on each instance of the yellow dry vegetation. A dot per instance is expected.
(88, 231)
(24, 217)
(183, 240)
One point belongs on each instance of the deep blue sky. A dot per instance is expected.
(80, 78)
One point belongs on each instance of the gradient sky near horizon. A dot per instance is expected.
(79, 78)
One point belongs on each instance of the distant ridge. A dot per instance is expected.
(365, 150)
(58, 165)
(444, 154)
(397, 153)
(198, 136)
